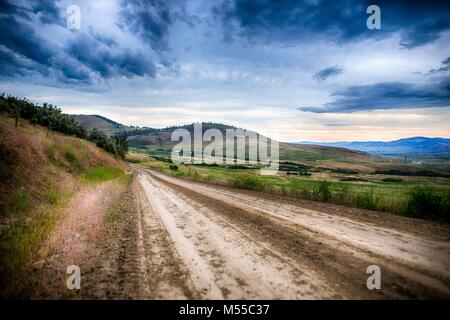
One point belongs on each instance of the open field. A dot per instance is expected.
(335, 183)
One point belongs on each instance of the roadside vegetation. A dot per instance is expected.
(39, 174)
(421, 197)
(52, 118)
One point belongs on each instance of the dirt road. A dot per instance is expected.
(202, 241)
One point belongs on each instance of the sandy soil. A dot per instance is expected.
(243, 245)
(177, 239)
(74, 237)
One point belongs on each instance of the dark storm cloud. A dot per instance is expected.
(22, 39)
(86, 56)
(13, 65)
(148, 19)
(389, 95)
(107, 62)
(327, 73)
(47, 12)
(418, 22)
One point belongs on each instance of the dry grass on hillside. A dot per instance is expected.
(38, 174)
(32, 162)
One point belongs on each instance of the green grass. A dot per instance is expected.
(16, 204)
(322, 191)
(71, 156)
(101, 174)
(247, 181)
(20, 243)
(52, 195)
(391, 195)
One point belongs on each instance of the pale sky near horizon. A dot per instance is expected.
(305, 70)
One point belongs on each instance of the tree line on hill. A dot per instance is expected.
(51, 117)
(143, 131)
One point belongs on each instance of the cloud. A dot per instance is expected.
(418, 22)
(109, 61)
(47, 12)
(388, 95)
(426, 30)
(22, 39)
(327, 73)
(445, 66)
(81, 58)
(148, 19)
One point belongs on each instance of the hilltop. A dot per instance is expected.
(160, 139)
(98, 122)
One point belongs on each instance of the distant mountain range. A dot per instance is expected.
(417, 146)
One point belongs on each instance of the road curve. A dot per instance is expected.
(246, 245)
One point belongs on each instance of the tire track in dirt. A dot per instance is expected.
(338, 265)
(223, 261)
(426, 254)
(135, 260)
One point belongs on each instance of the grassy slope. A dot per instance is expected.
(100, 123)
(39, 173)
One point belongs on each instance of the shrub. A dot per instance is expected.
(366, 200)
(248, 181)
(425, 203)
(322, 191)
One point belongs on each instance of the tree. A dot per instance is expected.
(121, 145)
(16, 112)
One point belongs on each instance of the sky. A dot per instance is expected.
(306, 70)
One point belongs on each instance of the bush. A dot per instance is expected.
(173, 167)
(366, 200)
(248, 181)
(425, 203)
(322, 191)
